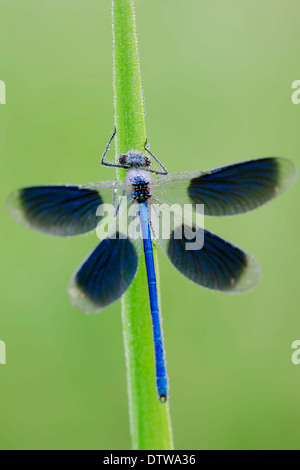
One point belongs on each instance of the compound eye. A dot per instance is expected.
(122, 159)
(147, 161)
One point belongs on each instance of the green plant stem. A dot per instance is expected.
(149, 419)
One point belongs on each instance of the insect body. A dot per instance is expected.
(140, 180)
(110, 269)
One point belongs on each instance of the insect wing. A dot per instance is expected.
(109, 270)
(205, 258)
(61, 210)
(229, 190)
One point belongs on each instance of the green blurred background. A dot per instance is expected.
(217, 81)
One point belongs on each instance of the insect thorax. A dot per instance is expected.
(141, 191)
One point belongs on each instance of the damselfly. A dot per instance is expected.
(110, 269)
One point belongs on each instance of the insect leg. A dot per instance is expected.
(165, 171)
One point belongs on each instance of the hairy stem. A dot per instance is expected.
(149, 419)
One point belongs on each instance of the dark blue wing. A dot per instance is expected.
(217, 265)
(57, 210)
(105, 275)
(230, 190)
